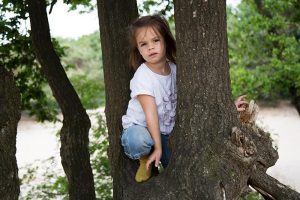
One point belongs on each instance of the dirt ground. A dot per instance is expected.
(283, 122)
(37, 141)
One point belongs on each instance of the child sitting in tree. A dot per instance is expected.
(150, 115)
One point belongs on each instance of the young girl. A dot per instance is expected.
(150, 115)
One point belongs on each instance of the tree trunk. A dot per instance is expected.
(76, 124)
(10, 113)
(114, 18)
(206, 113)
(213, 154)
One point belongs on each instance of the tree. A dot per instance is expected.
(76, 124)
(114, 17)
(10, 114)
(223, 154)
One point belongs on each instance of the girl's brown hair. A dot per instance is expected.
(160, 25)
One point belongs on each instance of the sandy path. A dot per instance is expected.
(38, 141)
(283, 122)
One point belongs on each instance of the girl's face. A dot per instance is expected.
(151, 46)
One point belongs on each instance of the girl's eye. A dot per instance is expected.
(143, 44)
(156, 40)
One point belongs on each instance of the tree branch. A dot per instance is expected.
(270, 187)
(267, 186)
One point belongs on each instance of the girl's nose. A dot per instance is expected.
(151, 47)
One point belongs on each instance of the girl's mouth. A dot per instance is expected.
(152, 54)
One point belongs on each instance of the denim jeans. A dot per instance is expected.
(137, 142)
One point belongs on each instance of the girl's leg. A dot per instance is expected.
(165, 150)
(137, 143)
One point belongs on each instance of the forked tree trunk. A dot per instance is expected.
(213, 155)
(76, 124)
(10, 113)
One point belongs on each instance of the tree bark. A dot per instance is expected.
(206, 113)
(213, 154)
(10, 114)
(271, 188)
(114, 19)
(76, 124)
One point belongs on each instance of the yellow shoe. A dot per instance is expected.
(142, 174)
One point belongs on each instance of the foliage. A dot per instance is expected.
(90, 91)
(253, 196)
(83, 5)
(99, 160)
(83, 54)
(162, 7)
(43, 180)
(17, 56)
(84, 58)
(264, 48)
(46, 180)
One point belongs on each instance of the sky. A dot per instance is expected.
(73, 24)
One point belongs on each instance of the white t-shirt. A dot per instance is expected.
(162, 88)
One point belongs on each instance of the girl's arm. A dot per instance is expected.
(150, 109)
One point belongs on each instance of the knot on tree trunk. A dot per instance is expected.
(245, 146)
(260, 142)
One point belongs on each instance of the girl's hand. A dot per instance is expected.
(239, 102)
(155, 156)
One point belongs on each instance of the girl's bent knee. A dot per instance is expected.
(136, 141)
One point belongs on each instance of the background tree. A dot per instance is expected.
(10, 104)
(17, 55)
(76, 124)
(221, 160)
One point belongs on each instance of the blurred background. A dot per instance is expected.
(263, 41)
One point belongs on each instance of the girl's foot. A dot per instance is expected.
(142, 174)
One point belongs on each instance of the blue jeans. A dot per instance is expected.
(137, 142)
